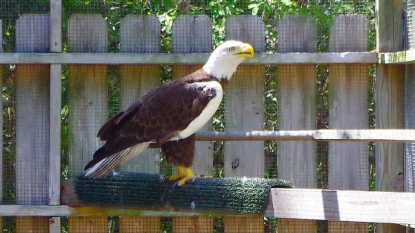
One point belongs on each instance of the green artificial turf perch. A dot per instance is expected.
(236, 195)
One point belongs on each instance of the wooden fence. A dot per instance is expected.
(38, 205)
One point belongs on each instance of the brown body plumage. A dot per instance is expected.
(168, 116)
(156, 118)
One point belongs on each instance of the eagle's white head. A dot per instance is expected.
(224, 60)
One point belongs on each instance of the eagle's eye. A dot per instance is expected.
(231, 49)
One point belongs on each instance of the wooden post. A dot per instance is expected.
(139, 34)
(193, 34)
(55, 46)
(244, 110)
(389, 98)
(88, 106)
(32, 121)
(297, 111)
(409, 108)
(348, 104)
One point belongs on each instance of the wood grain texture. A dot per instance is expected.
(409, 123)
(134, 224)
(32, 121)
(187, 58)
(139, 34)
(193, 224)
(193, 34)
(348, 104)
(55, 44)
(244, 110)
(96, 224)
(297, 110)
(88, 106)
(345, 135)
(389, 97)
(338, 205)
(55, 104)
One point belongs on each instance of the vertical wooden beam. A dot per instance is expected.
(389, 98)
(88, 105)
(297, 110)
(55, 46)
(409, 104)
(193, 34)
(409, 108)
(139, 34)
(32, 121)
(244, 110)
(348, 109)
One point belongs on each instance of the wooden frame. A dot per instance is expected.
(334, 205)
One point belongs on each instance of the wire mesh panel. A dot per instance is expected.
(348, 108)
(244, 111)
(32, 119)
(409, 85)
(139, 34)
(297, 110)
(193, 34)
(88, 102)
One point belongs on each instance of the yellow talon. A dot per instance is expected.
(183, 174)
(180, 174)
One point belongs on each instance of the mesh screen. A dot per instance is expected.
(288, 97)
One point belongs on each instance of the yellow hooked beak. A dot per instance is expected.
(246, 51)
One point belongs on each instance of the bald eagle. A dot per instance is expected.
(169, 116)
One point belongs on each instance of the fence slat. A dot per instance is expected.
(348, 104)
(389, 110)
(88, 107)
(389, 98)
(409, 108)
(193, 34)
(139, 34)
(32, 121)
(297, 111)
(244, 110)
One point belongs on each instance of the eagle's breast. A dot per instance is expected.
(215, 92)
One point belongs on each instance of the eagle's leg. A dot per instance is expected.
(184, 174)
(181, 172)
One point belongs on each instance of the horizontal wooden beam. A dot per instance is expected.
(186, 59)
(313, 204)
(401, 57)
(334, 205)
(369, 135)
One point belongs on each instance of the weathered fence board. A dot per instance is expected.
(55, 46)
(343, 205)
(88, 106)
(297, 110)
(348, 109)
(32, 121)
(185, 59)
(193, 34)
(139, 34)
(389, 97)
(244, 110)
(409, 123)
